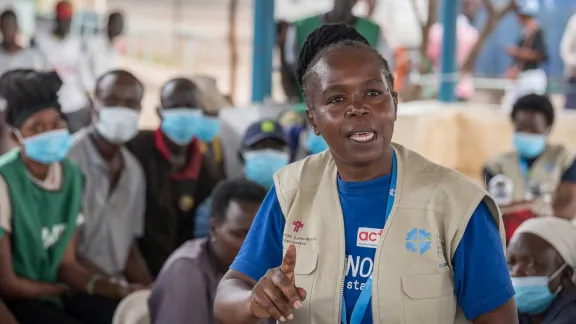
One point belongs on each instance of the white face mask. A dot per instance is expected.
(117, 125)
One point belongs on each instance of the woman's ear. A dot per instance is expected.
(311, 122)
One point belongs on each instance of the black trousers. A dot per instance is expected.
(79, 309)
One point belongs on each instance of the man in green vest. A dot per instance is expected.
(40, 213)
(341, 13)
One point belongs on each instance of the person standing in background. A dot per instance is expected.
(186, 286)
(528, 55)
(100, 50)
(13, 56)
(568, 55)
(178, 176)
(340, 13)
(64, 54)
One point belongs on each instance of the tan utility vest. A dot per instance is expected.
(546, 170)
(408, 287)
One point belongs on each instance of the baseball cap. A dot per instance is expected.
(63, 10)
(261, 130)
(528, 7)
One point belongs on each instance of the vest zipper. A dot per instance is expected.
(342, 290)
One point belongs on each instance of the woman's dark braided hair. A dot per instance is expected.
(27, 92)
(331, 37)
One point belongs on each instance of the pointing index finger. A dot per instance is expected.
(289, 262)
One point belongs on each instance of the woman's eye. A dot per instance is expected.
(336, 99)
(373, 93)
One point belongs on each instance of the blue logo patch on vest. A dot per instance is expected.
(418, 240)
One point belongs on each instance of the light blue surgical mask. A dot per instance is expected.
(209, 128)
(118, 124)
(48, 147)
(261, 165)
(315, 144)
(529, 145)
(181, 125)
(533, 296)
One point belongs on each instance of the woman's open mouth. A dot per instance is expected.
(362, 137)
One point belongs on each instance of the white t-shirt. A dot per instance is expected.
(101, 58)
(65, 56)
(27, 58)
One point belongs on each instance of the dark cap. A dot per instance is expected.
(262, 130)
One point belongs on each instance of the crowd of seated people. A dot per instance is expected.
(95, 210)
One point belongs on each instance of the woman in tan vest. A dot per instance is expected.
(537, 175)
(366, 224)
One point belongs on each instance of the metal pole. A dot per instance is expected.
(450, 11)
(264, 37)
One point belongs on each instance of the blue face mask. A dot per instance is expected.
(260, 165)
(315, 144)
(181, 125)
(533, 296)
(48, 147)
(529, 145)
(209, 129)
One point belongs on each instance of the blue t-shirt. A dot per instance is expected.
(481, 277)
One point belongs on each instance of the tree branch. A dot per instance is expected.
(494, 17)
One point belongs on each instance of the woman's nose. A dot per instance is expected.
(358, 109)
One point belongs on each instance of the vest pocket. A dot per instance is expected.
(429, 298)
(304, 275)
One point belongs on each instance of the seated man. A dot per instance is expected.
(115, 189)
(40, 202)
(264, 151)
(179, 177)
(186, 286)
